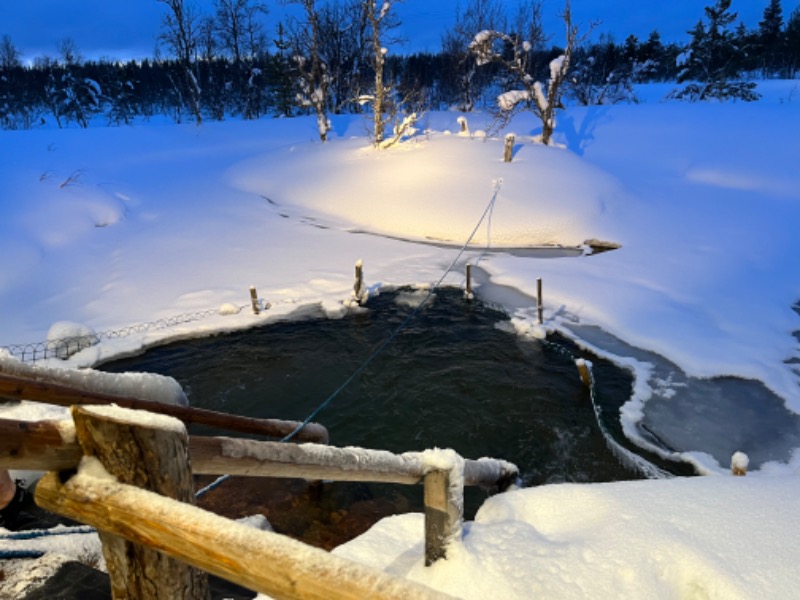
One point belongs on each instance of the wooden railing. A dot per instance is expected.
(28, 387)
(129, 474)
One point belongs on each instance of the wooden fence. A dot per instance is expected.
(129, 474)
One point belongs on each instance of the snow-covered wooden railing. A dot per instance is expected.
(65, 388)
(51, 446)
(55, 446)
(134, 484)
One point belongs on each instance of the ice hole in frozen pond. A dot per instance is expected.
(455, 377)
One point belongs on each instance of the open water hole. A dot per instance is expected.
(454, 377)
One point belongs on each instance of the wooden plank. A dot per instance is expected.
(151, 454)
(259, 560)
(17, 387)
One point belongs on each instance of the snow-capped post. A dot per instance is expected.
(359, 291)
(254, 299)
(539, 301)
(462, 121)
(444, 501)
(150, 452)
(584, 370)
(468, 291)
(508, 153)
(739, 463)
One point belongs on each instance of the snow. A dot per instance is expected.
(704, 537)
(508, 100)
(137, 418)
(68, 337)
(123, 229)
(150, 386)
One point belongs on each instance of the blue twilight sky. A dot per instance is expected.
(128, 28)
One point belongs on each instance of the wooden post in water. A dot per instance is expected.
(254, 299)
(442, 515)
(584, 371)
(508, 153)
(150, 452)
(468, 291)
(539, 300)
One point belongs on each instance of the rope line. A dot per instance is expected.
(5, 554)
(498, 184)
(31, 534)
(213, 485)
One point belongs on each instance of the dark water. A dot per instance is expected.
(451, 379)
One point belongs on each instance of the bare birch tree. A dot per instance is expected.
(380, 21)
(180, 33)
(313, 74)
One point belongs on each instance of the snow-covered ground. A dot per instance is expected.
(114, 227)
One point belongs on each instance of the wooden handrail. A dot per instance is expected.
(263, 561)
(133, 522)
(17, 387)
(46, 446)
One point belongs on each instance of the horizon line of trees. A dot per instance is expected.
(334, 60)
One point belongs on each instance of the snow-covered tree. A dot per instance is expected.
(280, 75)
(313, 76)
(71, 95)
(14, 113)
(514, 53)
(122, 102)
(793, 43)
(73, 98)
(379, 19)
(590, 85)
(386, 107)
(238, 27)
(772, 39)
(710, 64)
(343, 33)
(9, 54)
(477, 15)
(181, 34)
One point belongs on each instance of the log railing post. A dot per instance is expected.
(443, 514)
(150, 452)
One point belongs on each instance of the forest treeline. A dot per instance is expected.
(225, 64)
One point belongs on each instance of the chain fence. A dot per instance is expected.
(67, 346)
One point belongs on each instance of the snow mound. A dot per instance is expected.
(68, 338)
(601, 541)
(439, 190)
